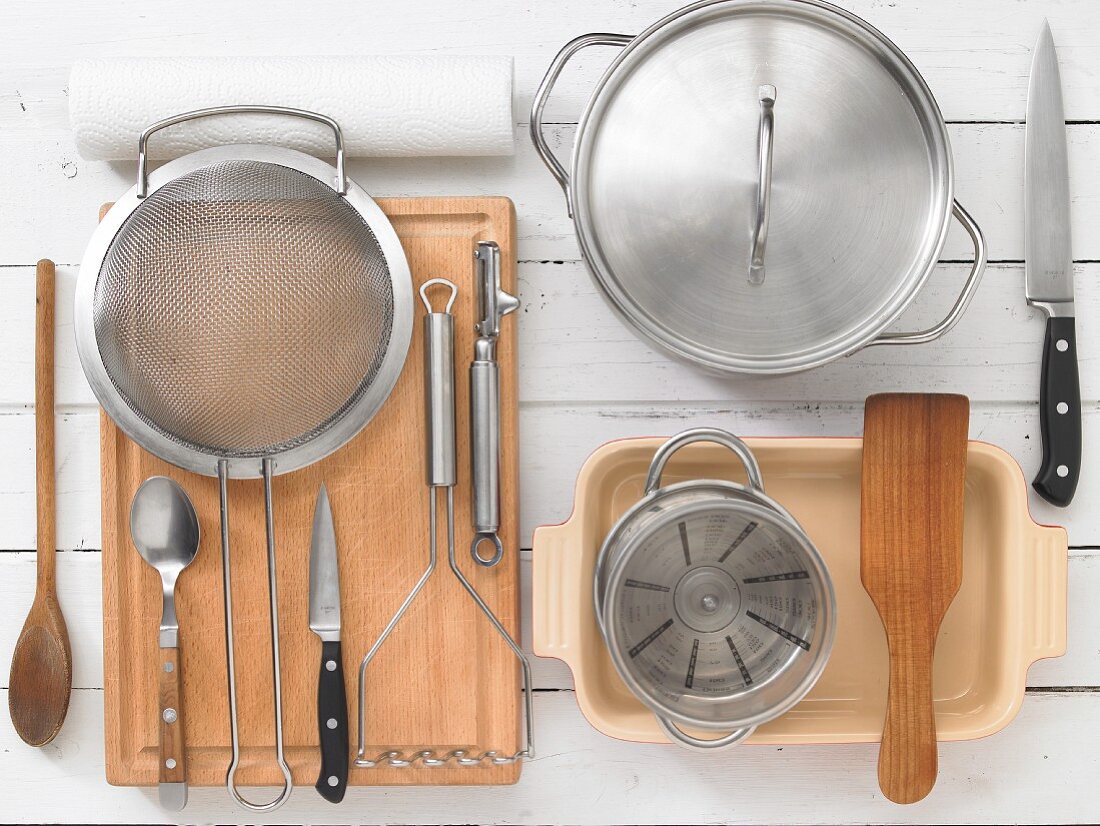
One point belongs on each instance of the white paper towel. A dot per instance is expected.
(408, 105)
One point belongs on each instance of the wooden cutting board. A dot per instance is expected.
(444, 678)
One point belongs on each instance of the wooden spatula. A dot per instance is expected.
(914, 472)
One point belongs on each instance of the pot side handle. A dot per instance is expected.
(965, 297)
(1048, 563)
(555, 616)
(543, 94)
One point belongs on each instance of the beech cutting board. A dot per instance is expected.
(444, 679)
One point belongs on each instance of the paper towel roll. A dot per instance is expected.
(409, 105)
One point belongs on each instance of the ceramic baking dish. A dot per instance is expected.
(1009, 612)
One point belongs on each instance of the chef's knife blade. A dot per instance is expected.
(1049, 274)
(324, 621)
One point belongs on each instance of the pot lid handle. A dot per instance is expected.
(763, 185)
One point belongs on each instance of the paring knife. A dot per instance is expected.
(324, 621)
(1049, 274)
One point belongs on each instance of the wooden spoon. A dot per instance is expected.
(914, 473)
(42, 666)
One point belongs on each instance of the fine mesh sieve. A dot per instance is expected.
(242, 312)
(242, 308)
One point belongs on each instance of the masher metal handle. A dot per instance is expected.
(143, 140)
(439, 336)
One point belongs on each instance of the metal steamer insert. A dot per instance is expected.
(716, 607)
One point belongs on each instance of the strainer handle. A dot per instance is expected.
(143, 175)
(703, 434)
(543, 94)
(682, 738)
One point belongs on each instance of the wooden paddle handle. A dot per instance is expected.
(44, 422)
(171, 718)
(908, 760)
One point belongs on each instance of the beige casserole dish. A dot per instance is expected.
(1010, 610)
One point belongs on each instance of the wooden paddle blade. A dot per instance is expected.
(914, 475)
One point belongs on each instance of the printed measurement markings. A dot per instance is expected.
(783, 632)
(640, 647)
(741, 537)
(684, 541)
(645, 586)
(691, 665)
(745, 675)
(777, 577)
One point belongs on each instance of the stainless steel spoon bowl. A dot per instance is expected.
(165, 530)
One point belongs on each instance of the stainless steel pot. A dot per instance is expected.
(760, 186)
(717, 609)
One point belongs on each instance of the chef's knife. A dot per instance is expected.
(324, 621)
(1049, 274)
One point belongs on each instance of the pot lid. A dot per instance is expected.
(673, 204)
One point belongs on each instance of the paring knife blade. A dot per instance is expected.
(324, 621)
(1049, 274)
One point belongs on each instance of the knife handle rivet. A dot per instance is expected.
(330, 665)
(168, 667)
(1063, 408)
(1062, 345)
(333, 780)
(1063, 471)
(170, 763)
(331, 722)
(169, 715)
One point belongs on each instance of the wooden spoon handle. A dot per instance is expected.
(44, 422)
(173, 772)
(908, 760)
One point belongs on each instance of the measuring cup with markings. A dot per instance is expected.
(717, 609)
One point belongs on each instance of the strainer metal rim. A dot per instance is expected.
(354, 418)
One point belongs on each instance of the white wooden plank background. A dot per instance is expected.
(585, 380)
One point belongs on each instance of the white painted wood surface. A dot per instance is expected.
(585, 380)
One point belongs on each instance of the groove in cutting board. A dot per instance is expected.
(443, 679)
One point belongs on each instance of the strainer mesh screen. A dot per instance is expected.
(242, 308)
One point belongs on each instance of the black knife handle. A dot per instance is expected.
(1060, 391)
(332, 723)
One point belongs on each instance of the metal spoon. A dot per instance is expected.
(165, 531)
(42, 666)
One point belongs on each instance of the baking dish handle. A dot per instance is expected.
(543, 94)
(555, 626)
(964, 299)
(1048, 565)
(143, 141)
